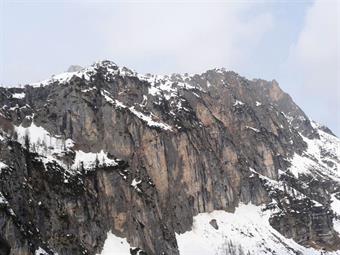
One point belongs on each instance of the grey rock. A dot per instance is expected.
(214, 224)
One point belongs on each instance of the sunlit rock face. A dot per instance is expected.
(104, 153)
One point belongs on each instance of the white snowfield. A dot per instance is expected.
(246, 231)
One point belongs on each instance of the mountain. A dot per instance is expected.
(103, 160)
(74, 68)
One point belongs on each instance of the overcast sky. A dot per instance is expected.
(294, 42)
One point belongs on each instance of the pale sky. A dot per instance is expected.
(293, 42)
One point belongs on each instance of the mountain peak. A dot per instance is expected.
(74, 68)
(104, 63)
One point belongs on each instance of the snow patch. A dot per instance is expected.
(45, 144)
(40, 251)
(115, 245)
(110, 100)
(135, 183)
(18, 95)
(41, 140)
(89, 160)
(3, 200)
(335, 205)
(149, 120)
(88, 90)
(237, 102)
(252, 128)
(2, 166)
(167, 86)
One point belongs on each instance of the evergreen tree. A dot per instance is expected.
(97, 162)
(27, 140)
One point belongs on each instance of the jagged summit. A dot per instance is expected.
(182, 164)
(111, 68)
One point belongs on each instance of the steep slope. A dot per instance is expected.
(104, 151)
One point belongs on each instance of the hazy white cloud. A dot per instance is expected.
(195, 37)
(314, 62)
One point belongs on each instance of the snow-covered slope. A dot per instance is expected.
(321, 159)
(246, 231)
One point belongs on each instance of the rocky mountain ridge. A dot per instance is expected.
(104, 149)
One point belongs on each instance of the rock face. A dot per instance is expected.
(105, 149)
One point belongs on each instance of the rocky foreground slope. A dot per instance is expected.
(103, 160)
